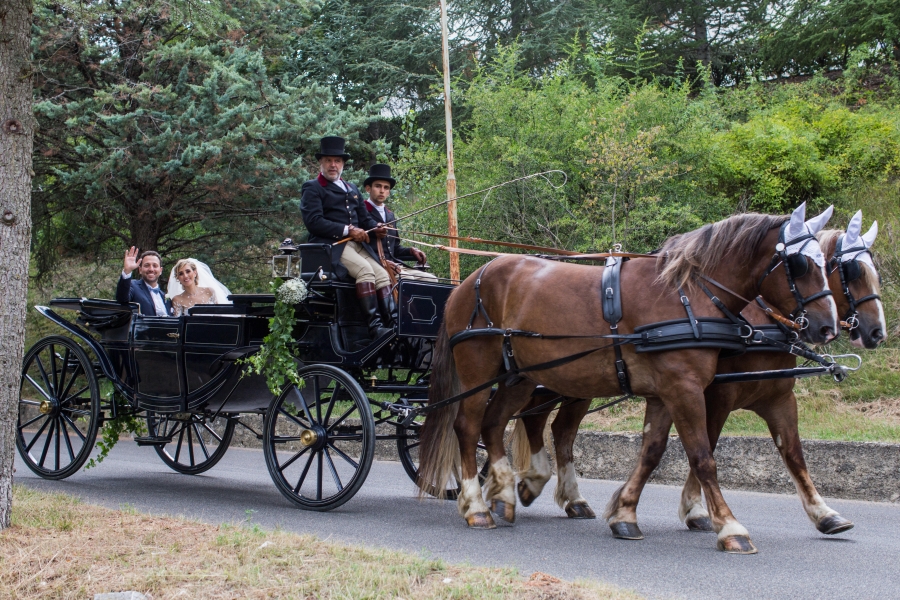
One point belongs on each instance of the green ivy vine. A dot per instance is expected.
(275, 358)
(126, 422)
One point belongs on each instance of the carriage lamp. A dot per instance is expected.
(286, 264)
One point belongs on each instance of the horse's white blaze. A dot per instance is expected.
(733, 528)
(501, 482)
(470, 501)
(831, 303)
(538, 473)
(567, 486)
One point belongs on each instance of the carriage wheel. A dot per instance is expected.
(196, 441)
(408, 450)
(59, 408)
(319, 440)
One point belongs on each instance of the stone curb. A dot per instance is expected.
(850, 470)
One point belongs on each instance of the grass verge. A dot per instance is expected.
(59, 547)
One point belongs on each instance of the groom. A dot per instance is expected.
(145, 291)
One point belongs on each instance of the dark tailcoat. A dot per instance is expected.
(391, 242)
(327, 209)
(135, 290)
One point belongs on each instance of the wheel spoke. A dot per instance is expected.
(319, 476)
(65, 394)
(178, 445)
(38, 388)
(75, 427)
(200, 439)
(77, 411)
(75, 395)
(334, 396)
(62, 373)
(334, 473)
(56, 443)
(190, 445)
(341, 420)
(38, 434)
(211, 431)
(43, 371)
(352, 462)
(293, 418)
(53, 370)
(303, 474)
(292, 459)
(65, 430)
(47, 443)
(23, 426)
(305, 407)
(318, 395)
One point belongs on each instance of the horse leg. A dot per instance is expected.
(470, 502)
(684, 400)
(529, 455)
(621, 511)
(565, 428)
(781, 417)
(501, 480)
(719, 403)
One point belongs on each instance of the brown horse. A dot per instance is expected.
(773, 400)
(561, 299)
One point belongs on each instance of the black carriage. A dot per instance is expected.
(182, 376)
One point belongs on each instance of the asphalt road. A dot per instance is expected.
(794, 560)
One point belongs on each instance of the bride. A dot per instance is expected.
(191, 283)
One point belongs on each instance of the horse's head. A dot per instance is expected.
(796, 282)
(855, 281)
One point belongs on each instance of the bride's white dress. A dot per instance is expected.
(209, 290)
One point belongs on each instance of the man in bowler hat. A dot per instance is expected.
(332, 210)
(378, 185)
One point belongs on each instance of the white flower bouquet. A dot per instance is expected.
(292, 291)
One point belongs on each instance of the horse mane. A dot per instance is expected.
(688, 255)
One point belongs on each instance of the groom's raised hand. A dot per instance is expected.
(131, 260)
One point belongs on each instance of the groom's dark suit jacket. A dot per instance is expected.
(135, 290)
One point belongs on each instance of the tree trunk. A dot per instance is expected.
(16, 135)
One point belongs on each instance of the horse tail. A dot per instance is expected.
(520, 448)
(439, 448)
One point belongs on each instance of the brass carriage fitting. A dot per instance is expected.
(308, 437)
(45, 407)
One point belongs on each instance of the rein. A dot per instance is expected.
(574, 256)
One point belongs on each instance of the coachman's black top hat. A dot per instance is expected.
(332, 146)
(380, 172)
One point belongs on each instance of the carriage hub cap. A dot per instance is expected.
(307, 438)
(45, 407)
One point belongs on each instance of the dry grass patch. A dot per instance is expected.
(59, 547)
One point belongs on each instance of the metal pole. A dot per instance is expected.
(452, 224)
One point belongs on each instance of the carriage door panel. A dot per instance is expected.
(422, 307)
(205, 340)
(156, 352)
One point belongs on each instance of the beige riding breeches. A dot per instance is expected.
(407, 273)
(362, 267)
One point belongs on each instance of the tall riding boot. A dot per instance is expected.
(365, 292)
(387, 306)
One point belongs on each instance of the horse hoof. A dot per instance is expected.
(736, 544)
(579, 510)
(626, 531)
(504, 510)
(834, 524)
(525, 495)
(481, 521)
(700, 524)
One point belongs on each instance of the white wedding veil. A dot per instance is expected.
(205, 279)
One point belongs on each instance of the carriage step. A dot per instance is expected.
(152, 441)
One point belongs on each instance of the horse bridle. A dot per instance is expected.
(795, 267)
(849, 271)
